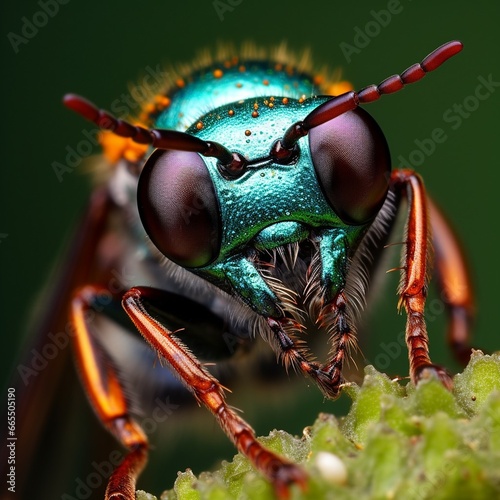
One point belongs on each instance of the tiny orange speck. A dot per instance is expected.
(239, 85)
(218, 73)
(285, 100)
(199, 125)
(265, 82)
(231, 112)
(180, 82)
(248, 132)
(255, 114)
(318, 79)
(162, 101)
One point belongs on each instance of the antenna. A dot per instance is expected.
(351, 100)
(158, 138)
(284, 151)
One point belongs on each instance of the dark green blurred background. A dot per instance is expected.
(96, 49)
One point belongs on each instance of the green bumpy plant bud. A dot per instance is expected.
(415, 443)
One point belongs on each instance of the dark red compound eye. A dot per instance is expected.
(352, 161)
(178, 207)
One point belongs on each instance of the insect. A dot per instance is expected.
(257, 205)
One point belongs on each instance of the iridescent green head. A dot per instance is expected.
(265, 172)
(220, 223)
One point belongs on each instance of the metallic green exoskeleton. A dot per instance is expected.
(272, 205)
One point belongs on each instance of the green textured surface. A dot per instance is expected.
(396, 442)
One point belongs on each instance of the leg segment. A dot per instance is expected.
(329, 375)
(325, 295)
(413, 286)
(342, 337)
(455, 283)
(207, 390)
(106, 394)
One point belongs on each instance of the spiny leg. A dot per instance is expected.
(454, 282)
(413, 286)
(294, 352)
(337, 317)
(208, 391)
(106, 394)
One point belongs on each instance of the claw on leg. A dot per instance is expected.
(434, 371)
(293, 352)
(285, 476)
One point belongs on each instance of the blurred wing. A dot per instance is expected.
(43, 379)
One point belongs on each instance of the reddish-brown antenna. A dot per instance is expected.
(284, 151)
(158, 138)
(351, 100)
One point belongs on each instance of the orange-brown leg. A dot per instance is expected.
(455, 283)
(413, 286)
(208, 391)
(106, 395)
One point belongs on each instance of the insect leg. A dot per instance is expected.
(106, 394)
(454, 282)
(342, 337)
(208, 390)
(291, 350)
(294, 352)
(413, 286)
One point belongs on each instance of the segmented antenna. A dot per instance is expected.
(284, 151)
(351, 100)
(158, 138)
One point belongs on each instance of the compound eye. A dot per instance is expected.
(352, 161)
(178, 207)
